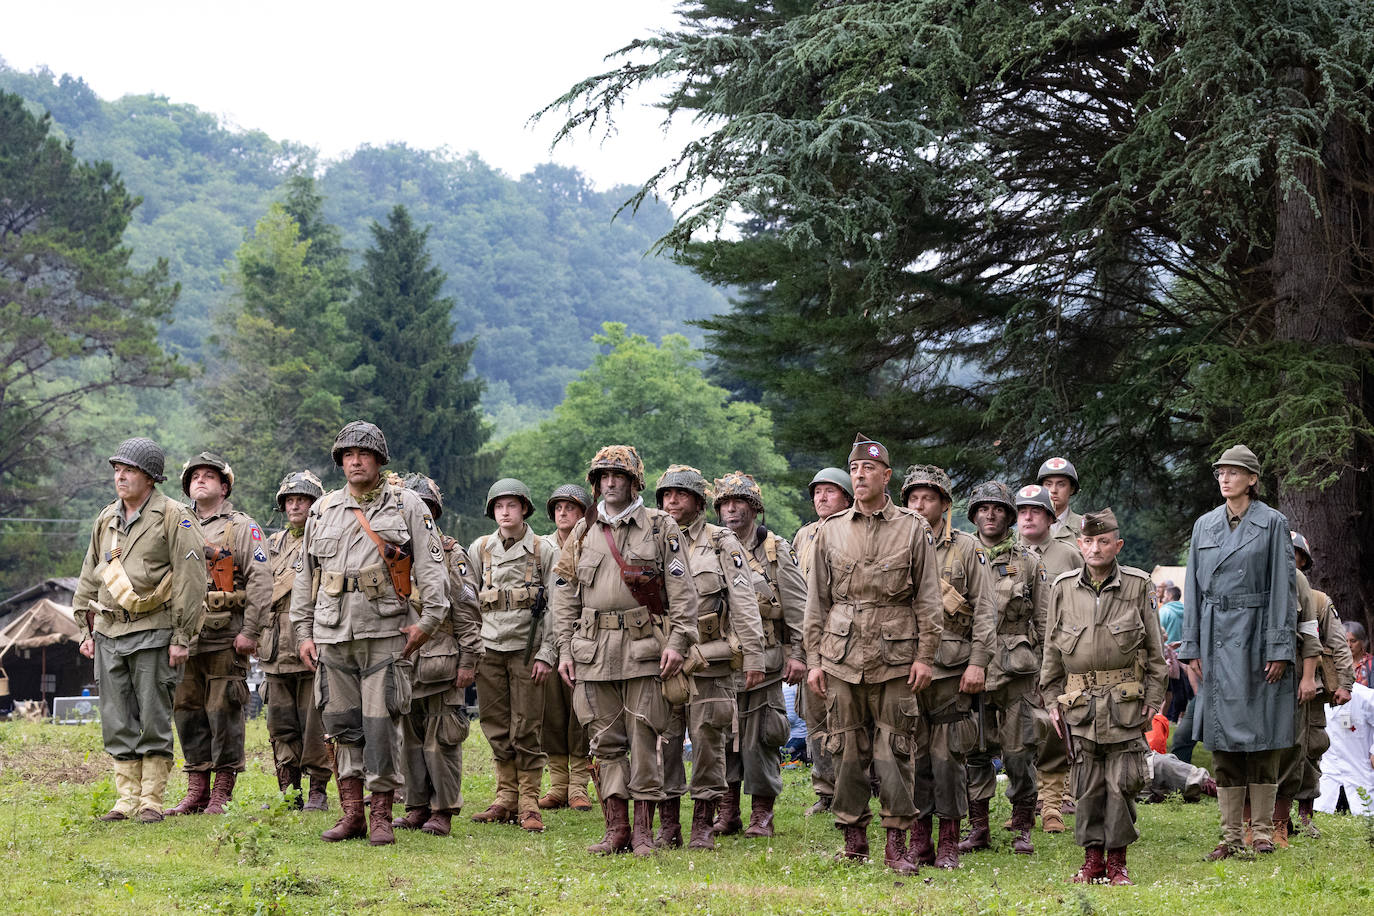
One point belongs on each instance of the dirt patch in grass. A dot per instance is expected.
(50, 765)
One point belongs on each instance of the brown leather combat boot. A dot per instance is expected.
(727, 818)
(1283, 820)
(223, 792)
(617, 838)
(352, 823)
(855, 845)
(496, 814)
(760, 816)
(1094, 866)
(379, 831)
(1116, 866)
(642, 834)
(440, 823)
(197, 794)
(922, 850)
(1023, 817)
(978, 836)
(318, 800)
(947, 855)
(703, 813)
(288, 778)
(895, 854)
(669, 824)
(413, 819)
(1306, 808)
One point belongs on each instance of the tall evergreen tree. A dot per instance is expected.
(421, 394)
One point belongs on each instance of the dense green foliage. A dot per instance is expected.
(992, 232)
(656, 399)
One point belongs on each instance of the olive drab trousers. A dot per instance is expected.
(136, 684)
(1009, 732)
(294, 724)
(512, 709)
(762, 731)
(872, 726)
(563, 734)
(822, 764)
(209, 710)
(626, 721)
(708, 718)
(945, 733)
(363, 689)
(1106, 779)
(434, 731)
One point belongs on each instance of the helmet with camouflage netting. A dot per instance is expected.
(298, 483)
(737, 485)
(927, 475)
(428, 491)
(572, 493)
(682, 477)
(360, 434)
(994, 492)
(142, 453)
(622, 458)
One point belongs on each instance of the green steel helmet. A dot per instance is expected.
(298, 483)
(617, 458)
(994, 492)
(836, 476)
(509, 486)
(572, 493)
(1060, 466)
(360, 434)
(682, 477)
(1302, 551)
(428, 491)
(737, 485)
(927, 475)
(207, 460)
(141, 453)
(1035, 495)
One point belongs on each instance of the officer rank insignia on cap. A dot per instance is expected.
(675, 568)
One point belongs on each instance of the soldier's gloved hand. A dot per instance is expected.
(752, 679)
(1273, 672)
(1341, 698)
(669, 663)
(540, 672)
(815, 680)
(794, 671)
(415, 638)
(465, 679)
(920, 677)
(567, 672)
(87, 647)
(244, 645)
(176, 655)
(973, 680)
(308, 654)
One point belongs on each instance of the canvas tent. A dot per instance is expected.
(38, 651)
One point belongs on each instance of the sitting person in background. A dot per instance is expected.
(795, 748)
(1168, 775)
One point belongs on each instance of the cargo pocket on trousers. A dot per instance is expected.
(397, 687)
(452, 727)
(774, 730)
(320, 690)
(226, 693)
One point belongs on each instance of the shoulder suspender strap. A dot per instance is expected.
(615, 551)
(362, 520)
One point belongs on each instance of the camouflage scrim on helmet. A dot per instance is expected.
(1035, 495)
(572, 493)
(509, 486)
(682, 477)
(835, 476)
(1302, 551)
(1057, 466)
(737, 485)
(927, 475)
(992, 492)
(298, 483)
(622, 458)
(207, 460)
(142, 453)
(428, 490)
(360, 434)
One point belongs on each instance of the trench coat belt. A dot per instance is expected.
(1250, 599)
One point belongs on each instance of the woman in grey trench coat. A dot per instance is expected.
(1240, 638)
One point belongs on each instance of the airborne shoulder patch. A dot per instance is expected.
(738, 559)
(930, 537)
(673, 543)
(429, 522)
(982, 557)
(256, 533)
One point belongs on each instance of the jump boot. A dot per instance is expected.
(947, 855)
(617, 839)
(1094, 866)
(642, 835)
(760, 816)
(727, 818)
(1283, 813)
(223, 792)
(922, 850)
(669, 824)
(1306, 808)
(413, 819)
(352, 823)
(318, 799)
(289, 777)
(197, 794)
(440, 823)
(1023, 820)
(379, 831)
(1116, 866)
(895, 854)
(855, 845)
(703, 814)
(978, 836)
(128, 780)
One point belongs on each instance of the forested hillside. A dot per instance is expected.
(534, 265)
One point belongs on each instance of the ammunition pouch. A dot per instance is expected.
(956, 605)
(438, 660)
(501, 599)
(216, 620)
(226, 601)
(1076, 683)
(703, 655)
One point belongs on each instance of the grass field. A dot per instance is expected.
(57, 859)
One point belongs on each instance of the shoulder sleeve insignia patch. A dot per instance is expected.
(737, 558)
(982, 557)
(673, 543)
(256, 532)
(429, 522)
(259, 555)
(930, 537)
(676, 568)
(795, 561)
(462, 568)
(186, 523)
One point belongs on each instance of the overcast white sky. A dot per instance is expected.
(460, 74)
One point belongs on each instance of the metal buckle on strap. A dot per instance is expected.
(1108, 678)
(610, 620)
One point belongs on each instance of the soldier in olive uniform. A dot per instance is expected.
(138, 607)
(513, 571)
(434, 730)
(565, 738)
(730, 634)
(756, 767)
(873, 599)
(831, 492)
(1012, 698)
(293, 719)
(968, 630)
(618, 637)
(210, 700)
(1103, 680)
(365, 545)
(1034, 521)
(1060, 479)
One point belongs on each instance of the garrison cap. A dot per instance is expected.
(835, 476)
(927, 475)
(206, 460)
(569, 492)
(1303, 551)
(1095, 523)
(360, 434)
(1062, 467)
(142, 453)
(866, 449)
(298, 483)
(1033, 494)
(1239, 456)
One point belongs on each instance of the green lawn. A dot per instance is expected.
(58, 859)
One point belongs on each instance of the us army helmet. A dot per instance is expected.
(682, 477)
(994, 492)
(835, 476)
(569, 492)
(1060, 466)
(617, 458)
(509, 486)
(207, 460)
(141, 453)
(927, 475)
(429, 491)
(1302, 551)
(361, 434)
(737, 485)
(298, 483)
(1035, 495)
